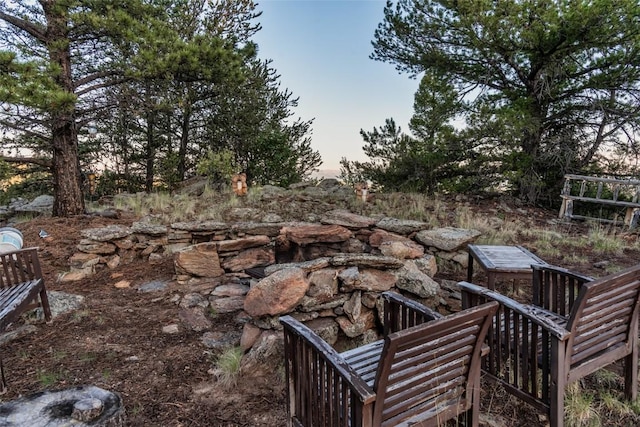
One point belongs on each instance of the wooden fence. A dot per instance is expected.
(608, 192)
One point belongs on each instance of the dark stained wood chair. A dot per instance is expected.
(21, 286)
(425, 371)
(574, 326)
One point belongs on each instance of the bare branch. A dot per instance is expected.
(92, 77)
(32, 160)
(17, 127)
(32, 29)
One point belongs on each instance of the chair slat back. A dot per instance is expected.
(401, 314)
(556, 289)
(19, 266)
(605, 315)
(426, 372)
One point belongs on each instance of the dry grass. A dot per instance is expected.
(228, 366)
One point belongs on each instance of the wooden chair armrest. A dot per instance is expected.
(295, 330)
(401, 313)
(473, 295)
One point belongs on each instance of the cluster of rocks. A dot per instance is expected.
(40, 205)
(329, 274)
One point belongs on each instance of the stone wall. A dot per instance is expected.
(329, 274)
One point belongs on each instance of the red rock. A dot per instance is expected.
(199, 260)
(241, 244)
(256, 257)
(277, 294)
(307, 234)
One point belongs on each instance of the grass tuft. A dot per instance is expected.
(228, 366)
(47, 379)
(579, 408)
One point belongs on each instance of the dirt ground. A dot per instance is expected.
(116, 342)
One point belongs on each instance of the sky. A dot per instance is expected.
(321, 50)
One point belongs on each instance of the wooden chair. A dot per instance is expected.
(21, 284)
(425, 371)
(574, 326)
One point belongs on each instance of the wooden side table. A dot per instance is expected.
(502, 262)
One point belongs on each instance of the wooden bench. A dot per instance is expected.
(604, 191)
(21, 285)
(425, 371)
(574, 326)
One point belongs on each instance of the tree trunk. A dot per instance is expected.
(184, 141)
(151, 150)
(68, 198)
(66, 167)
(530, 184)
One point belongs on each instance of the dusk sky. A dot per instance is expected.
(321, 50)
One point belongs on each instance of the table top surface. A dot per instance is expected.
(504, 258)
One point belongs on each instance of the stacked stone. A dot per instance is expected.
(329, 274)
(115, 244)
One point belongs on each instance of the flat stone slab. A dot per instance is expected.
(107, 234)
(347, 219)
(447, 238)
(401, 226)
(79, 406)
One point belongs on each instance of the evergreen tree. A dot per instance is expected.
(549, 84)
(59, 56)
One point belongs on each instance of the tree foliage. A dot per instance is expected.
(435, 157)
(548, 86)
(162, 81)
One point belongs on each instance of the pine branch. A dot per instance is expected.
(32, 29)
(32, 160)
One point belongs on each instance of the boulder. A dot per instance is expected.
(151, 229)
(366, 280)
(229, 304)
(323, 284)
(325, 328)
(411, 279)
(96, 247)
(277, 294)
(199, 260)
(448, 238)
(365, 321)
(250, 258)
(257, 228)
(81, 406)
(194, 318)
(250, 334)
(230, 290)
(264, 356)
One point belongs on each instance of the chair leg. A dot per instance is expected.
(473, 414)
(556, 411)
(631, 375)
(3, 381)
(44, 299)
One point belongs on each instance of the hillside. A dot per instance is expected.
(116, 340)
